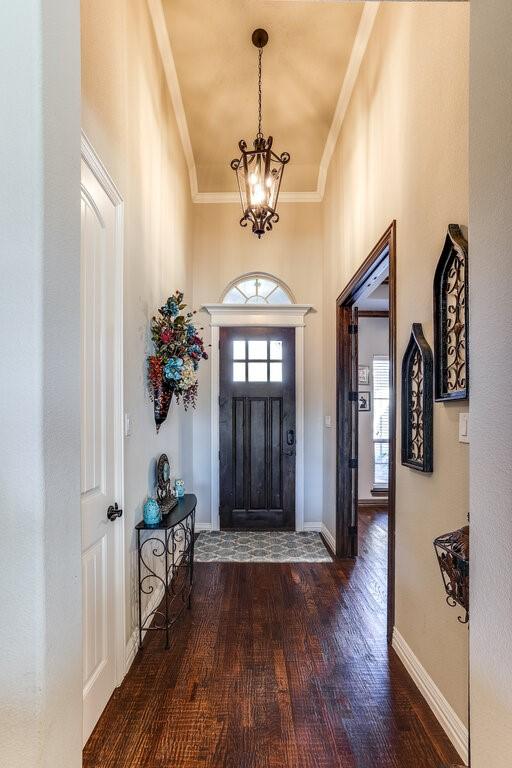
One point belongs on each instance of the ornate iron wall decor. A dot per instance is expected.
(259, 171)
(452, 550)
(451, 318)
(164, 494)
(417, 405)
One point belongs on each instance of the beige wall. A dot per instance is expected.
(127, 115)
(403, 155)
(491, 418)
(292, 252)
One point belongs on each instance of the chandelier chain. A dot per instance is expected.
(260, 54)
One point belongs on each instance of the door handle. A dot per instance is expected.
(113, 512)
(290, 437)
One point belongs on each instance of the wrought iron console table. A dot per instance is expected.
(166, 565)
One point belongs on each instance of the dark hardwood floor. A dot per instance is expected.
(275, 666)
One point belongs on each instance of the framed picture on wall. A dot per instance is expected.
(364, 374)
(364, 401)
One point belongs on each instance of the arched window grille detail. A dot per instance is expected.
(257, 288)
(451, 318)
(417, 403)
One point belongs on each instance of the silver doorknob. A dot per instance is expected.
(113, 512)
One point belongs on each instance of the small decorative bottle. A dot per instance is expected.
(152, 513)
(179, 488)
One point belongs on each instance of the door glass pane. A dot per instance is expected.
(276, 371)
(278, 297)
(233, 296)
(257, 371)
(276, 350)
(239, 350)
(238, 371)
(257, 351)
(264, 286)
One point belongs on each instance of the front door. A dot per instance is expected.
(257, 428)
(98, 356)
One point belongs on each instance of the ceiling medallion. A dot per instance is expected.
(259, 171)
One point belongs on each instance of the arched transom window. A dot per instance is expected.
(257, 289)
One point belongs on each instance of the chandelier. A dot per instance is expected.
(259, 171)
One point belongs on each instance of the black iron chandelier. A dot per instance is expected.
(259, 171)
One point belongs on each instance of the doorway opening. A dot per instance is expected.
(366, 405)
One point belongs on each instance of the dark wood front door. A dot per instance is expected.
(257, 427)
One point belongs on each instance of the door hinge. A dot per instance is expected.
(352, 328)
(219, 455)
(353, 397)
(352, 463)
(219, 400)
(352, 530)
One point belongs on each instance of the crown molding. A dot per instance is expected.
(157, 14)
(361, 40)
(234, 197)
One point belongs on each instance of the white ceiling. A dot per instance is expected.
(309, 68)
(376, 301)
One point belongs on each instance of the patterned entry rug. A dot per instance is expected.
(260, 547)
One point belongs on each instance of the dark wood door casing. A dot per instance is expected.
(257, 433)
(345, 546)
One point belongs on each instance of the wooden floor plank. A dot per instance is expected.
(275, 666)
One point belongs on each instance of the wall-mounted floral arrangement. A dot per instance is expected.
(172, 369)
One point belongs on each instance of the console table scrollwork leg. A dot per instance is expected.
(139, 590)
(166, 596)
(191, 557)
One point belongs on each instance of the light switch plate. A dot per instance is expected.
(464, 427)
(328, 422)
(127, 425)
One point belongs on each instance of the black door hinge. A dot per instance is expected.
(352, 530)
(353, 397)
(352, 328)
(352, 463)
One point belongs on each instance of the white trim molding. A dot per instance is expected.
(132, 646)
(280, 315)
(198, 527)
(233, 197)
(359, 47)
(321, 527)
(444, 712)
(361, 40)
(157, 14)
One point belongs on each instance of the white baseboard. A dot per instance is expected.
(447, 717)
(323, 529)
(132, 646)
(202, 527)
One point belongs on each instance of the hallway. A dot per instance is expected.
(276, 666)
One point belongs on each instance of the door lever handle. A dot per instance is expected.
(113, 512)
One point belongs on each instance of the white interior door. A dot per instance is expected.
(99, 337)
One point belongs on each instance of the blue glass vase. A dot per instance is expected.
(152, 513)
